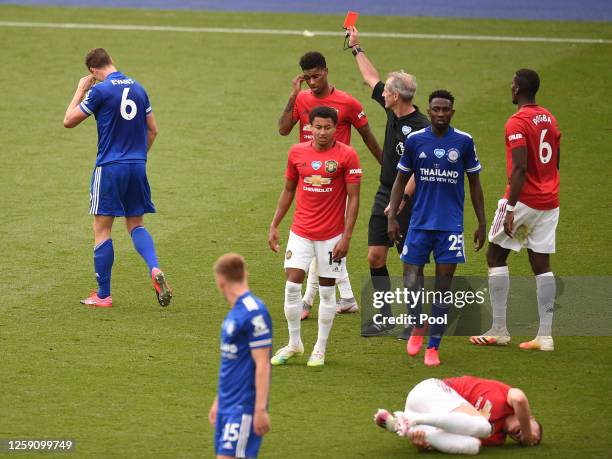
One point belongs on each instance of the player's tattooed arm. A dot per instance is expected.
(397, 193)
(284, 203)
(477, 197)
(517, 180)
(286, 121)
(370, 140)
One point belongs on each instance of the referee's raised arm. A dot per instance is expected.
(368, 72)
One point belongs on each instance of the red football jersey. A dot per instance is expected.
(350, 113)
(536, 128)
(322, 176)
(488, 396)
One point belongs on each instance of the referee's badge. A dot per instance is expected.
(406, 130)
(331, 166)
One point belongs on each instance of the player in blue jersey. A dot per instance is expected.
(438, 156)
(119, 186)
(240, 410)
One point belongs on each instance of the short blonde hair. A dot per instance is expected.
(231, 267)
(402, 83)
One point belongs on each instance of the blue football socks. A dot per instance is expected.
(104, 255)
(143, 243)
(437, 330)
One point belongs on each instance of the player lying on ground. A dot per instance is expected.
(457, 415)
(324, 177)
(350, 113)
(119, 186)
(528, 214)
(240, 410)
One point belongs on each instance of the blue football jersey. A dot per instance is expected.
(439, 165)
(247, 326)
(120, 106)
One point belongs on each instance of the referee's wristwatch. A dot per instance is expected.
(356, 50)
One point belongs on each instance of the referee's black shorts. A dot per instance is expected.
(377, 228)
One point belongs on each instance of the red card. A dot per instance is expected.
(351, 19)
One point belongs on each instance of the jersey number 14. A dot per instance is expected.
(125, 104)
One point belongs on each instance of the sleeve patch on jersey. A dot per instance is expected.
(361, 115)
(261, 343)
(250, 303)
(513, 137)
(355, 171)
(260, 327)
(474, 169)
(148, 110)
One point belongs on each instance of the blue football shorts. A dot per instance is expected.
(120, 190)
(234, 435)
(447, 247)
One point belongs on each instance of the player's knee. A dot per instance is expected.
(377, 258)
(293, 292)
(495, 259)
(482, 427)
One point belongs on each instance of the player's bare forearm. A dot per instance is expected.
(284, 203)
(261, 421)
(477, 197)
(370, 140)
(352, 209)
(518, 174)
(151, 130)
(397, 192)
(519, 402)
(74, 115)
(262, 377)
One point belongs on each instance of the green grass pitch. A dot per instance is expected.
(137, 381)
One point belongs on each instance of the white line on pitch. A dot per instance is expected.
(157, 28)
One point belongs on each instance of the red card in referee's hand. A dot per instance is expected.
(351, 19)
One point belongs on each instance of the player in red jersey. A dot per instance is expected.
(528, 214)
(323, 173)
(350, 113)
(457, 415)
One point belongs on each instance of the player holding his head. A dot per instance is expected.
(528, 214)
(350, 113)
(240, 410)
(323, 173)
(119, 186)
(396, 96)
(438, 156)
(457, 415)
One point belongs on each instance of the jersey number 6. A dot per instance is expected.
(545, 148)
(125, 103)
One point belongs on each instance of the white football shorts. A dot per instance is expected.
(433, 396)
(301, 251)
(533, 229)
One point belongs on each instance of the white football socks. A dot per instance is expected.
(546, 291)
(454, 422)
(327, 312)
(499, 286)
(312, 285)
(293, 310)
(446, 442)
(344, 287)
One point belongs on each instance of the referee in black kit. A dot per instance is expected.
(395, 96)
